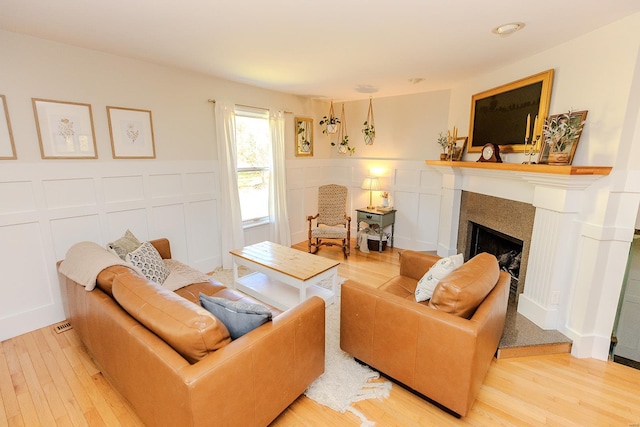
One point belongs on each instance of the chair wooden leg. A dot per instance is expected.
(313, 248)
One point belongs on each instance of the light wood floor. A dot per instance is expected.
(46, 379)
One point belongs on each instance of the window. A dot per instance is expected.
(253, 140)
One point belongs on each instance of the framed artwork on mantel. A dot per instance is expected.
(304, 136)
(576, 118)
(499, 115)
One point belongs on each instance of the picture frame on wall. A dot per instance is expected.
(499, 115)
(131, 132)
(65, 129)
(7, 146)
(304, 136)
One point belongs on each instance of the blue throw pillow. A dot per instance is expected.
(239, 317)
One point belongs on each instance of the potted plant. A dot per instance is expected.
(369, 129)
(343, 147)
(443, 141)
(330, 123)
(305, 144)
(369, 132)
(560, 132)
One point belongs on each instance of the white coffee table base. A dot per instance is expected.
(284, 277)
(278, 294)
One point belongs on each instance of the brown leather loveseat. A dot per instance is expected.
(441, 348)
(195, 375)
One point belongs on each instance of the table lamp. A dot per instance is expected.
(372, 184)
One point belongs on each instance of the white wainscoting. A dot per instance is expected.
(415, 193)
(48, 206)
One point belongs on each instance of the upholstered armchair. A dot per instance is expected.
(440, 348)
(331, 222)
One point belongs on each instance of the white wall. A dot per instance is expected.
(595, 72)
(47, 205)
(599, 72)
(406, 131)
(415, 193)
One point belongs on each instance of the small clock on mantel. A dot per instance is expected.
(490, 153)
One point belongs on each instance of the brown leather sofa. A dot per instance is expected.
(430, 347)
(201, 378)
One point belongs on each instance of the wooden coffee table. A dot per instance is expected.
(283, 277)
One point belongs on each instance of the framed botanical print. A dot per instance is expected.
(131, 133)
(304, 136)
(7, 147)
(65, 129)
(575, 120)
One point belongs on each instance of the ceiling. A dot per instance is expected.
(333, 49)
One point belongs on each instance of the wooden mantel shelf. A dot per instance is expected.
(518, 167)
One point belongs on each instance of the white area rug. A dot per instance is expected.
(344, 381)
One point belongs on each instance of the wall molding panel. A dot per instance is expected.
(415, 192)
(49, 206)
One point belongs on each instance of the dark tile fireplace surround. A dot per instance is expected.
(510, 224)
(501, 227)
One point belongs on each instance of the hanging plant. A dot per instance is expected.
(331, 123)
(369, 129)
(343, 146)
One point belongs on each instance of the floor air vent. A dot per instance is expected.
(61, 327)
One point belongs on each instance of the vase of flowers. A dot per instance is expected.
(385, 199)
(560, 132)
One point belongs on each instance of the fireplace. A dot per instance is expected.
(498, 226)
(507, 249)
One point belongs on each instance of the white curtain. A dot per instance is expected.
(231, 232)
(278, 217)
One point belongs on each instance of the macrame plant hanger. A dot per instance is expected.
(343, 142)
(332, 126)
(369, 126)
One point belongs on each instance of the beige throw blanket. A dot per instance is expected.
(85, 260)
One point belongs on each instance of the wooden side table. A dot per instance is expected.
(382, 219)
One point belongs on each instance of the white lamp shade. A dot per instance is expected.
(371, 183)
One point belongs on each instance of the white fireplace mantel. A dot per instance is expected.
(557, 194)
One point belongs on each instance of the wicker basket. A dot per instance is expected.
(373, 242)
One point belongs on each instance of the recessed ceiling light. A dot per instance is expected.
(508, 29)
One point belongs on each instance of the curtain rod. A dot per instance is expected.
(213, 101)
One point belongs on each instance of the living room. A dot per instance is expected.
(48, 205)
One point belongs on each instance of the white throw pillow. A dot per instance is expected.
(149, 263)
(436, 273)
